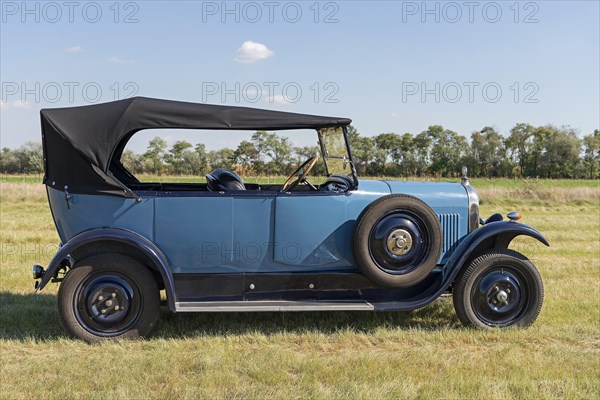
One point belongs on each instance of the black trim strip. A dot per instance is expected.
(319, 286)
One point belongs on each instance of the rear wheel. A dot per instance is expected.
(108, 296)
(500, 288)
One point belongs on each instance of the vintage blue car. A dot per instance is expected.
(225, 245)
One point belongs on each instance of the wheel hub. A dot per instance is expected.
(399, 242)
(499, 296)
(108, 303)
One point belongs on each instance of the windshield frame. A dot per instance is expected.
(348, 154)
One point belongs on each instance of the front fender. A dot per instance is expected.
(122, 236)
(492, 235)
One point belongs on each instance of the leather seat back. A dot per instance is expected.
(222, 180)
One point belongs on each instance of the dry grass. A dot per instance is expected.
(554, 194)
(421, 354)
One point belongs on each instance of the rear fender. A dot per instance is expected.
(152, 254)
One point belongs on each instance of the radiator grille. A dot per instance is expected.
(449, 224)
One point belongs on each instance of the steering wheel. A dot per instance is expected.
(302, 172)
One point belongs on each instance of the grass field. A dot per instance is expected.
(420, 354)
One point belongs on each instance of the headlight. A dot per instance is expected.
(473, 198)
(473, 208)
(37, 271)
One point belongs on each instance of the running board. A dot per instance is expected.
(264, 305)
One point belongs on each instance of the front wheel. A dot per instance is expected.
(108, 297)
(500, 288)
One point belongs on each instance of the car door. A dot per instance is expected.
(194, 230)
(312, 231)
(214, 232)
(252, 240)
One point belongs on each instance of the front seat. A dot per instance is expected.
(337, 183)
(222, 180)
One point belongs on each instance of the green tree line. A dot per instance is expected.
(528, 151)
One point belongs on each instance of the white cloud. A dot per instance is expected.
(119, 60)
(279, 99)
(251, 52)
(74, 49)
(23, 105)
(252, 95)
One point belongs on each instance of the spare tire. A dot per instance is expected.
(397, 241)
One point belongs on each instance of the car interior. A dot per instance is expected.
(222, 180)
(225, 180)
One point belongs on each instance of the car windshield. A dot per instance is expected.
(335, 151)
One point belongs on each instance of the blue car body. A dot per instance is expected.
(237, 232)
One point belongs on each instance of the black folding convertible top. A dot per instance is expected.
(81, 143)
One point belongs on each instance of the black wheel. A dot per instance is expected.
(108, 296)
(500, 288)
(397, 241)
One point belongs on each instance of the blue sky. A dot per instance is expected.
(390, 66)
